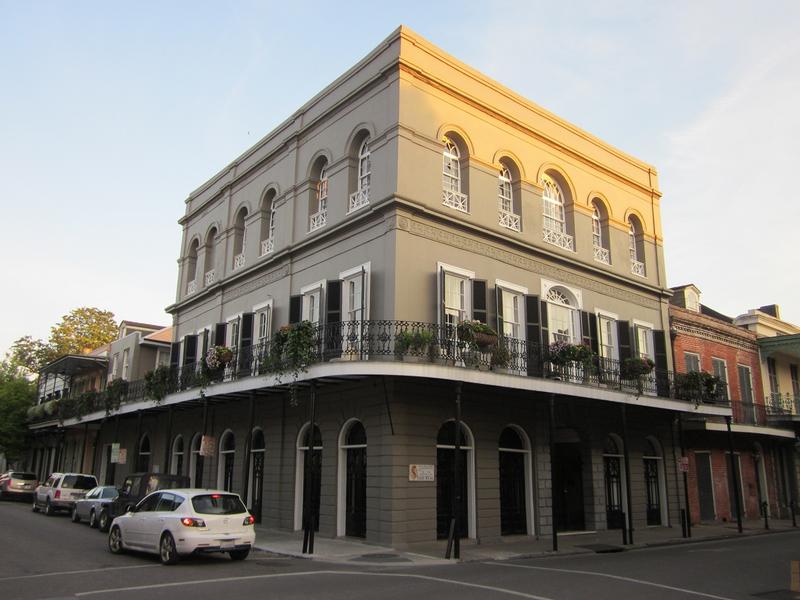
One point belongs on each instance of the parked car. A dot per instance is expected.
(61, 490)
(172, 523)
(136, 487)
(18, 484)
(90, 506)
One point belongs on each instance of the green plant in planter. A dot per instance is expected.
(501, 357)
(402, 342)
(417, 342)
(157, 383)
(115, 392)
(698, 386)
(476, 333)
(636, 369)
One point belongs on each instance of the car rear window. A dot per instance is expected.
(218, 504)
(23, 476)
(109, 492)
(79, 482)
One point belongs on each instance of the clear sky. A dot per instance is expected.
(112, 113)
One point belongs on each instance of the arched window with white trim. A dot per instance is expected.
(516, 494)
(352, 480)
(308, 474)
(318, 209)
(555, 228)
(636, 246)
(452, 195)
(255, 487)
(196, 461)
(446, 484)
(562, 316)
(360, 197)
(508, 215)
(211, 265)
(239, 239)
(268, 223)
(191, 267)
(227, 455)
(600, 247)
(176, 464)
(615, 482)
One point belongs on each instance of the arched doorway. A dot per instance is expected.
(196, 461)
(308, 480)
(446, 492)
(568, 482)
(143, 460)
(255, 489)
(614, 478)
(352, 501)
(176, 466)
(655, 482)
(514, 456)
(227, 454)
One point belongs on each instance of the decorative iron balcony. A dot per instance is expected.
(637, 268)
(238, 261)
(358, 199)
(455, 200)
(782, 405)
(267, 246)
(748, 413)
(558, 238)
(398, 341)
(510, 220)
(191, 287)
(318, 220)
(211, 277)
(602, 255)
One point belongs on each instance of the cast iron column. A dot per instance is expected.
(168, 445)
(308, 485)
(627, 471)
(455, 538)
(735, 475)
(248, 444)
(685, 477)
(553, 491)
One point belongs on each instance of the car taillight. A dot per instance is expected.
(58, 494)
(190, 522)
(249, 520)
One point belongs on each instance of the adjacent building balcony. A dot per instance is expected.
(602, 255)
(238, 261)
(510, 220)
(559, 238)
(211, 277)
(191, 287)
(358, 199)
(267, 246)
(455, 199)
(318, 220)
(782, 406)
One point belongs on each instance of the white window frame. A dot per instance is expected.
(265, 308)
(451, 177)
(608, 316)
(687, 353)
(548, 285)
(725, 370)
(519, 292)
(229, 321)
(467, 276)
(126, 360)
(314, 290)
(649, 327)
(349, 276)
(221, 455)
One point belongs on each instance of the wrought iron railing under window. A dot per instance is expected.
(455, 199)
(318, 220)
(415, 342)
(211, 277)
(358, 199)
(510, 220)
(602, 255)
(782, 404)
(267, 246)
(558, 238)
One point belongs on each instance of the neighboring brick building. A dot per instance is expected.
(704, 340)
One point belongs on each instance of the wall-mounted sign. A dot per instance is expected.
(208, 445)
(114, 453)
(421, 472)
(683, 463)
(123, 456)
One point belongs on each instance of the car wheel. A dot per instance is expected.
(104, 521)
(239, 554)
(74, 515)
(48, 508)
(35, 507)
(92, 519)
(115, 540)
(167, 550)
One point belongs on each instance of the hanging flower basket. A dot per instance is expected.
(475, 332)
(218, 356)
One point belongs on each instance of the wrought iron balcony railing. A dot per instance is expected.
(455, 200)
(782, 405)
(408, 342)
(358, 199)
(749, 413)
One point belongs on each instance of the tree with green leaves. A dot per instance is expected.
(17, 394)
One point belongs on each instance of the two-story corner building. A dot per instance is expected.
(707, 342)
(409, 198)
(779, 346)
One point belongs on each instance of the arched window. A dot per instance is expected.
(239, 238)
(562, 315)
(210, 266)
(446, 484)
(143, 460)
(255, 489)
(196, 461)
(191, 268)
(319, 216)
(654, 482)
(600, 246)
(352, 479)
(554, 224)
(176, 465)
(308, 477)
(515, 492)
(451, 177)
(227, 454)
(636, 246)
(614, 476)
(360, 197)
(508, 215)
(268, 223)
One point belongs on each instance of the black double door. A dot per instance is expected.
(513, 517)
(312, 485)
(356, 501)
(257, 488)
(612, 467)
(568, 483)
(705, 486)
(445, 491)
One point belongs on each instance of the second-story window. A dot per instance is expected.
(600, 247)
(239, 239)
(451, 177)
(263, 317)
(360, 197)
(607, 332)
(320, 217)
(210, 266)
(554, 223)
(191, 268)
(508, 216)
(562, 316)
(691, 362)
(643, 337)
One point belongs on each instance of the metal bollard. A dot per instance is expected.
(791, 508)
(765, 510)
(683, 523)
(624, 529)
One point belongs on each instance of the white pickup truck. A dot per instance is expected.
(61, 490)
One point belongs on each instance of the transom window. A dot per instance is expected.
(451, 169)
(553, 206)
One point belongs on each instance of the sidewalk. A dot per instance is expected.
(350, 551)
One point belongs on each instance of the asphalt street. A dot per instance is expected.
(50, 557)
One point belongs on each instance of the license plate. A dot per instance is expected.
(227, 544)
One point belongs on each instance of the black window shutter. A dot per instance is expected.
(544, 324)
(533, 334)
(219, 334)
(295, 309)
(660, 351)
(246, 330)
(174, 355)
(189, 349)
(440, 302)
(624, 337)
(498, 294)
(333, 297)
(589, 330)
(593, 332)
(206, 332)
(479, 311)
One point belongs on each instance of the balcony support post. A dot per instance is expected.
(248, 444)
(309, 523)
(454, 538)
(554, 516)
(85, 441)
(626, 457)
(168, 445)
(735, 476)
(682, 442)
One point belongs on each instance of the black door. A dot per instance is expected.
(257, 485)
(705, 491)
(651, 484)
(445, 489)
(613, 481)
(356, 507)
(513, 518)
(198, 470)
(227, 481)
(568, 482)
(311, 485)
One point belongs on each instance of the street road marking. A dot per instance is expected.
(299, 573)
(77, 572)
(609, 576)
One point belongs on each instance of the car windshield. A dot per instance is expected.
(79, 482)
(218, 504)
(23, 476)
